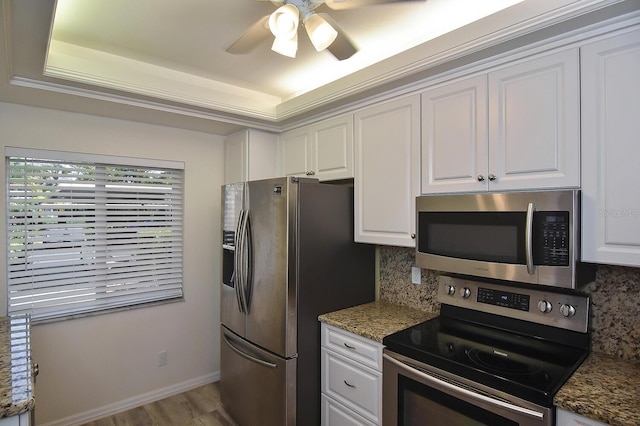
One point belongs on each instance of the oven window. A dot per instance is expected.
(421, 405)
(484, 236)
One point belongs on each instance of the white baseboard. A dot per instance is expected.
(136, 401)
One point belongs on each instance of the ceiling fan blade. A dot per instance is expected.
(342, 47)
(251, 38)
(353, 4)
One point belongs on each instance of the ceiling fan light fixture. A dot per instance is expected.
(320, 32)
(283, 23)
(286, 46)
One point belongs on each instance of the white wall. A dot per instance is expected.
(89, 366)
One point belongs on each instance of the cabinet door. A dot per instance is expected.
(454, 137)
(534, 123)
(611, 150)
(332, 148)
(296, 152)
(357, 387)
(334, 414)
(250, 155)
(566, 418)
(23, 419)
(387, 175)
(236, 157)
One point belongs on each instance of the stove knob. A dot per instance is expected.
(465, 292)
(545, 306)
(567, 310)
(451, 289)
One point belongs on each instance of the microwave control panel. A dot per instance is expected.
(552, 238)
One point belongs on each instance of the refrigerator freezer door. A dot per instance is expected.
(257, 388)
(232, 206)
(271, 318)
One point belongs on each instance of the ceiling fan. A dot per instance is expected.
(283, 24)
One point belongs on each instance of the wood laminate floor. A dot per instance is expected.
(197, 407)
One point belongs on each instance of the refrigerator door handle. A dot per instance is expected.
(243, 260)
(248, 272)
(246, 355)
(237, 259)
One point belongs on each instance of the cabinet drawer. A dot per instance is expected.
(334, 414)
(352, 346)
(353, 385)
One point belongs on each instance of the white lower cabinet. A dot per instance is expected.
(566, 418)
(335, 414)
(351, 379)
(23, 419)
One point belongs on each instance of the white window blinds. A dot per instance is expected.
(88, 236)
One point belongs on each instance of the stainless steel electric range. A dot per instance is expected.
(496, 355)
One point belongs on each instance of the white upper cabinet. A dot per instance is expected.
(611, 150)
(387, 171)
(323, 150)
(454, 136)
(250, 155)
(534, 123)
(517, 127)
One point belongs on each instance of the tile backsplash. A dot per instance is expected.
(615, 299)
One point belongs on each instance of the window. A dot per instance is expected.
(90, 233)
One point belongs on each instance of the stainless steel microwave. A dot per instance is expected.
(529, 237)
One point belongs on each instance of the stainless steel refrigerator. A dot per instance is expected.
(288, 256)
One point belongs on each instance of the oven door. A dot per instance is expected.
(417, 394)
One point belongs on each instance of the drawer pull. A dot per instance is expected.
(353, 348)
(349, 384)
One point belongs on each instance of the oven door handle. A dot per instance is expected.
(466, 392)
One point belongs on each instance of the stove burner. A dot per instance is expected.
(502, 363)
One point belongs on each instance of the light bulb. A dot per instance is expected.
(283, 23)
(286, 46)
(320, 32)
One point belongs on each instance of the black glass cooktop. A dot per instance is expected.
(522, 365)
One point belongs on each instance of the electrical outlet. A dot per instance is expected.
(416, 275)
(162, 358)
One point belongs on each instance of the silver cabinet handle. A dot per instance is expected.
(413, 236)
(349, 384)
(492, 177)
(353, 348)
(310, 173)
(480, 178)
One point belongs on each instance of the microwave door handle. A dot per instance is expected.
(528, 250)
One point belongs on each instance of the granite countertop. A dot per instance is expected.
(604, 388)
(16, 379)
(376, 320)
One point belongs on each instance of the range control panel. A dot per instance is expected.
(554, 307)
